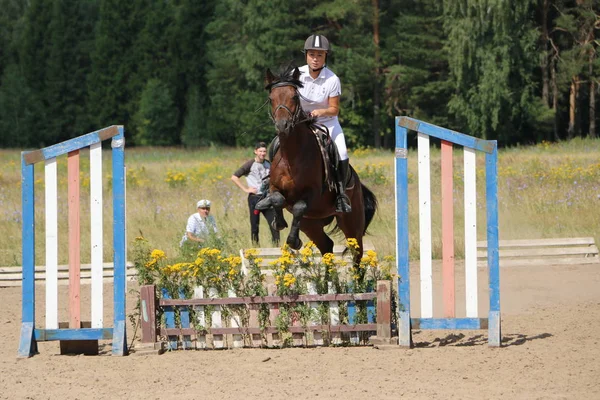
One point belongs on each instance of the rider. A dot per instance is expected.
(320, 97)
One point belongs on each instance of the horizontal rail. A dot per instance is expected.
(74, 334)
(542, 242)
(449, 323)
(448, 135)
(67, 146)
(269, 329)
(268, 299)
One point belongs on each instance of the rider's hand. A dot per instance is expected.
(251, 190)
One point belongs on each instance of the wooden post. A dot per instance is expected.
(148, 311)
(384, 315)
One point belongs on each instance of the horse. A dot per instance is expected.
(297, 176)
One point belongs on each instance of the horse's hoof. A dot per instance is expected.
(278, 227)
(297, 246)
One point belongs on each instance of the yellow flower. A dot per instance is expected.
(250, 252)
(157, 254)
(328, 259)
(352, 243)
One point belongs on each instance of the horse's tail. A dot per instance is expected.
(370, 205)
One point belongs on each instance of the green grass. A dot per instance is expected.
(548, 190)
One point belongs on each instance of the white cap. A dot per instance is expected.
(203, 203)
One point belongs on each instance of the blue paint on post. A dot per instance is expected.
(351, 307)
(448, 135)
(169, 320)
(74, 334)
(402, 244)
(491, 177)
(119, 346)
(489, 147)
(447, 323)
(27, 344)
(184, 315)
(371, 311)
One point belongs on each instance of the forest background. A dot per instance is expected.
(186, 72)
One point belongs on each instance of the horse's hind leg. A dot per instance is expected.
(313, 228)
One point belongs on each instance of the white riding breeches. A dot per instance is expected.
(337, 135)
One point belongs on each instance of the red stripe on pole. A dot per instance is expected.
(74, 240)
(447, 231)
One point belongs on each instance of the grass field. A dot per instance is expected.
(547, 190)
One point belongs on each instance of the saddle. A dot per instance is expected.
(329, 154)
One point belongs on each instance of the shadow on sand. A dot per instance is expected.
(460, 340)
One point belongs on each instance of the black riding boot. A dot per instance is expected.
(342, 202)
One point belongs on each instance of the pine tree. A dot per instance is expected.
(493, 52)
(156, 118)
(114, 83)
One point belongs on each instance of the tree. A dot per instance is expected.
(156, 118)
(244, 40)
(114, 84)
(417, 81)
(492, 51)
(21, 113)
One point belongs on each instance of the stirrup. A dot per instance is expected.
(342, 203)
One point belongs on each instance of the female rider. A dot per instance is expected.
(320, 97)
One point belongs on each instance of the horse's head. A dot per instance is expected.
(284, 98)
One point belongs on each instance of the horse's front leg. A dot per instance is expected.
(293, 239)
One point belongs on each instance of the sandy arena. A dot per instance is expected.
(550, 328)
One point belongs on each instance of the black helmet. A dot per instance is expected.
(316, 42)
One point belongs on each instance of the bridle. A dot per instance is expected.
(294, 115)
(298, 113)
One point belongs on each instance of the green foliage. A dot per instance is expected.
(20, 111)
(156, 118)
(492, 53)
(465, 64)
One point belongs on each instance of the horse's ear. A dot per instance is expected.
(296, 74)
(269, 77)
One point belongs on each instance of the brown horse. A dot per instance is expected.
(297, 180)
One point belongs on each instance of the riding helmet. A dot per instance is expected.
(316, 42)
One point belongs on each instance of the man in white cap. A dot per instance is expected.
(200, 225)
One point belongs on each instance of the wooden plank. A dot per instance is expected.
(215, 300)
(70, 145)
(62, 276)
(200, 314)
(541, 242)
(64, 267)
(235, 322)
(51, 215)
(425, 267)
(273, 339)
(470, 210)
(96, 235)
(447, 231)
(184, 318)
(74, 240)
(172, 340)
(384, 310)
(543, 252)
(273, 329)
(334, 316)
(525, 262)
(148, 311)
(317, 336)
(216, 319)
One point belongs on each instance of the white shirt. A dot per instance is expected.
(199, 227)
(319, 90)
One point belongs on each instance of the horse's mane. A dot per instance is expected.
(286, 76)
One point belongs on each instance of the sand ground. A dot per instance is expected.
(550, 328)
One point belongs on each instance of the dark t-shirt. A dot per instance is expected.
(254, 172)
